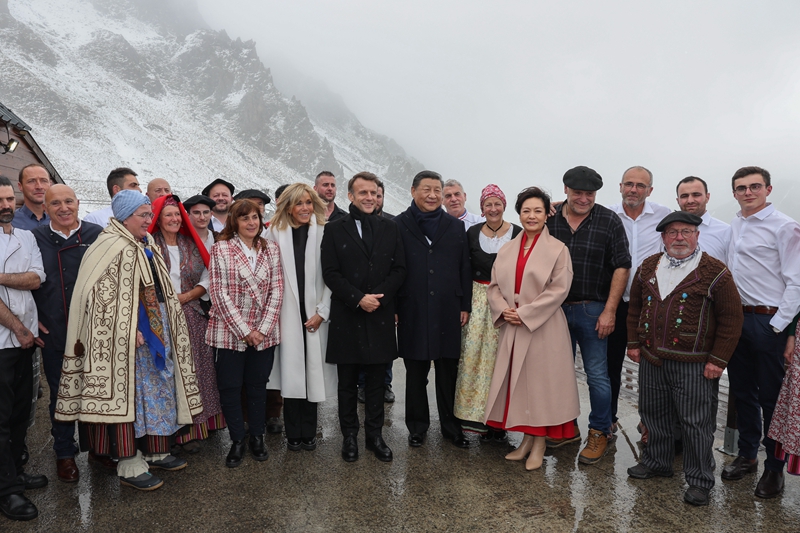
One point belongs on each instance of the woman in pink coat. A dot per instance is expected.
(534, 389)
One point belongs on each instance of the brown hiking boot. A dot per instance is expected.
(596, 447)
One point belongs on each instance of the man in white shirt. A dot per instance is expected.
(20, 272)
(454, 203)
(715, 235)
(763, 259)
(640, 218)
(118, 179)
(221, 192)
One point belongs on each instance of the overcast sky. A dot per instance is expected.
(517, 92)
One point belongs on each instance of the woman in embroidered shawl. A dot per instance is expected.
(479, 336)
(187, 258)
(533, 388)
(128, 373)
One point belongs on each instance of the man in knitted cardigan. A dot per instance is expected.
(684, 321)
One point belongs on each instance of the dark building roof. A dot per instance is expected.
(8, 116)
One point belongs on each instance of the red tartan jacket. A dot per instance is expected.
(244, 299)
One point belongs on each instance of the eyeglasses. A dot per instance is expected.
(742, 189)
(685, 233)
(145, 216)
(632, 185)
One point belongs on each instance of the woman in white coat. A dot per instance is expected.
(300, 371)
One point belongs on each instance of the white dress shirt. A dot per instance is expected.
(669, 277)
(71, 232)
(715, 237)
(643, 239)
(100, 217)
(764, 258)
(216, 224)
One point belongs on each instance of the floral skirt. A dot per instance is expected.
(476, 365)
(785, 425)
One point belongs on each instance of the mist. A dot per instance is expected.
(515, 93)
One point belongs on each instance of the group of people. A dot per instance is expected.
(161, 320)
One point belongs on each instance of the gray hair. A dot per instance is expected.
(454, 183)
(637, 167)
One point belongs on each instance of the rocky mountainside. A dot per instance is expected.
(145, 84)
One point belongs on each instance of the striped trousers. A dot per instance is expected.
(678, 389)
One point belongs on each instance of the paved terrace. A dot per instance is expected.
(434, 488)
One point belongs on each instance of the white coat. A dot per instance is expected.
(300, 373)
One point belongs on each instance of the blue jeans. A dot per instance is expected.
(582, 319)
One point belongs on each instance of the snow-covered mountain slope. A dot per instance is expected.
(107, 83)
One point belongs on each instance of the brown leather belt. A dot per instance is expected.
(760, 309)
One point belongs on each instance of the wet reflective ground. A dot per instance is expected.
(434, 488)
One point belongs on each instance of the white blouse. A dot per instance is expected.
(492, 245)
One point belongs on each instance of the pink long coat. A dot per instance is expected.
(544, 390)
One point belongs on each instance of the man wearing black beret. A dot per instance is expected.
(601, 261)
(684, 320)
(221, 192)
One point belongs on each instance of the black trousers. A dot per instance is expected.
(16, 395)
(418, 418)
(299, 418)
(63, 432)
(348, 403)
(756, 372)
(615, 354)
(250, 368)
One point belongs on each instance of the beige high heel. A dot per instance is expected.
(520, 453)
(536, 457)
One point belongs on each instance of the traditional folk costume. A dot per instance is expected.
(534, 389)
(187, 263)
(131, 400)
(785, 427)
(479, 336)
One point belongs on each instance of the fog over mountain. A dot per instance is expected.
(147, 84)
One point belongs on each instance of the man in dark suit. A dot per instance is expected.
(433, 304)
(363, 264)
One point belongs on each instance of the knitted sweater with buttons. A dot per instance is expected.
(700, 321)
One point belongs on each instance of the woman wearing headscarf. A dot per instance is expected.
(533, 387)
(301, 373)
(128, 373)
(479, 336)
(246, 288)
(186, 259)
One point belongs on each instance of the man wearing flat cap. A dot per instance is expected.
(601, 261)
(684, 321)
(221, 192)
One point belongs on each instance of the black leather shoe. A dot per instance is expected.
(416, 440)
(309, 444)
(33, 481)
(236, 455)
(274, 426)
(377, 446)
(640, 471)
(18, 507)
(294, 445)
(350, 448)
(388, 394)
(770, 484)
(738, 468)
(461, 441)
(696, 496)
(257, 448)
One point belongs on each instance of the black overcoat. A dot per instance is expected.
(350, 272)
(437, 289)
(61, 258)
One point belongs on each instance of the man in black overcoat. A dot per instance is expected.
(433, 304)
(364, 266)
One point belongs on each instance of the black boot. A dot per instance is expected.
(236, 455)
(379, 448)
(257, 448)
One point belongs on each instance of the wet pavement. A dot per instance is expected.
(437, 487)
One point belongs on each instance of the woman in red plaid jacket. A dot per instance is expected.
(246, 290)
